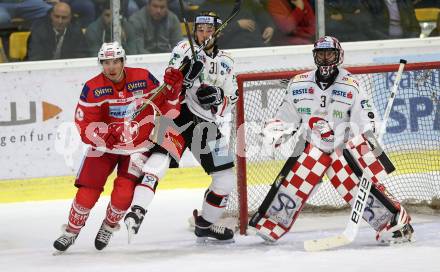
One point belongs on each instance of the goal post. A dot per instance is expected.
(412, 137)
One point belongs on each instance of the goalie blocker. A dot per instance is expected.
(302, 174)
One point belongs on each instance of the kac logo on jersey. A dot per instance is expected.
(299, 91)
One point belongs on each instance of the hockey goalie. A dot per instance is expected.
(337, 123)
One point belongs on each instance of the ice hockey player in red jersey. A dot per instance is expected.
(115, 117)
(210, 94)
(339, 123)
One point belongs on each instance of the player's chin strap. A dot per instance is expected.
(217, 32)
(357, 211)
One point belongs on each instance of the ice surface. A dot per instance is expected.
(27, 231)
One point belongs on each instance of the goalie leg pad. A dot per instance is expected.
(293, 192)
(347, 168)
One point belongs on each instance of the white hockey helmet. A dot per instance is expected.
(206, 17)
(111, 50)
(328, 43)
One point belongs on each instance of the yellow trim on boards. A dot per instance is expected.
(52, 188)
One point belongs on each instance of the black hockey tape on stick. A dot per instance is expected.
(297, 152)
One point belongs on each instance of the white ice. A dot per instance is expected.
(27, 231)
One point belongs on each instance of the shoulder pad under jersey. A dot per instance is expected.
(96, 90)
(225, 56)
(345, 77)
(308, 76)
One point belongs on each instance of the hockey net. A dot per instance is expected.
(412, 137)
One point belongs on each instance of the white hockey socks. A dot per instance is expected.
(216, 196)
(154, 170)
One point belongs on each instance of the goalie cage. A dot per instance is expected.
(412, 137)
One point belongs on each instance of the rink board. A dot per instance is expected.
(51, 188)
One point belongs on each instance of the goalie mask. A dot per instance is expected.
(327, 54)
(206, 18)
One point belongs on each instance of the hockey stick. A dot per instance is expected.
(160, 89)
(365, 183)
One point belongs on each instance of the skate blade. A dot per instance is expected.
(396, 242)
(213, 241)
(130, 231)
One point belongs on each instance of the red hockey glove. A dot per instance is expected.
(111, 137)
(173, 78)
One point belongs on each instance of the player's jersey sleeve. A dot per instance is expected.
(87, 111)
(287, 111)
(229, 87)
(363, 115)
(179, 52)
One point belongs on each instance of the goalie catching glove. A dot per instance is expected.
(275, 133)
(210, 97)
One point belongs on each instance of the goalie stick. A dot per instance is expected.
(365, 183)
(215, 35)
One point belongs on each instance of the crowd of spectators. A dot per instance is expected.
(76, 28)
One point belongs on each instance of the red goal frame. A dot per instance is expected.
(258, 76)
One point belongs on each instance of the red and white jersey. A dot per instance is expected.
(329, 116)
(218, 71)
(103, 103)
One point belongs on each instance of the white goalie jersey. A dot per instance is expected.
(331, 116)
(218, 71)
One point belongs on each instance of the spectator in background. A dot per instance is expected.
(426, 4)
(29, 10)
(100, 31)
(156, 28)
(435, 32)
(349, 21)
(294, 20)
(252, 27)
(84, 9)
(56, 36)
(174, 6)
(393, 19)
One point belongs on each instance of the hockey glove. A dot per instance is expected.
(275, 133)
(210, 97)
(174, 79)
(191, 71)
(110, 138)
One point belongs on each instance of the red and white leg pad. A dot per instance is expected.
(293, 193)
(382, 208)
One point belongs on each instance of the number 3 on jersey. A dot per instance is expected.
(323, 99)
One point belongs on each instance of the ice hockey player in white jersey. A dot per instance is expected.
(210, 91)
(338, 123)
